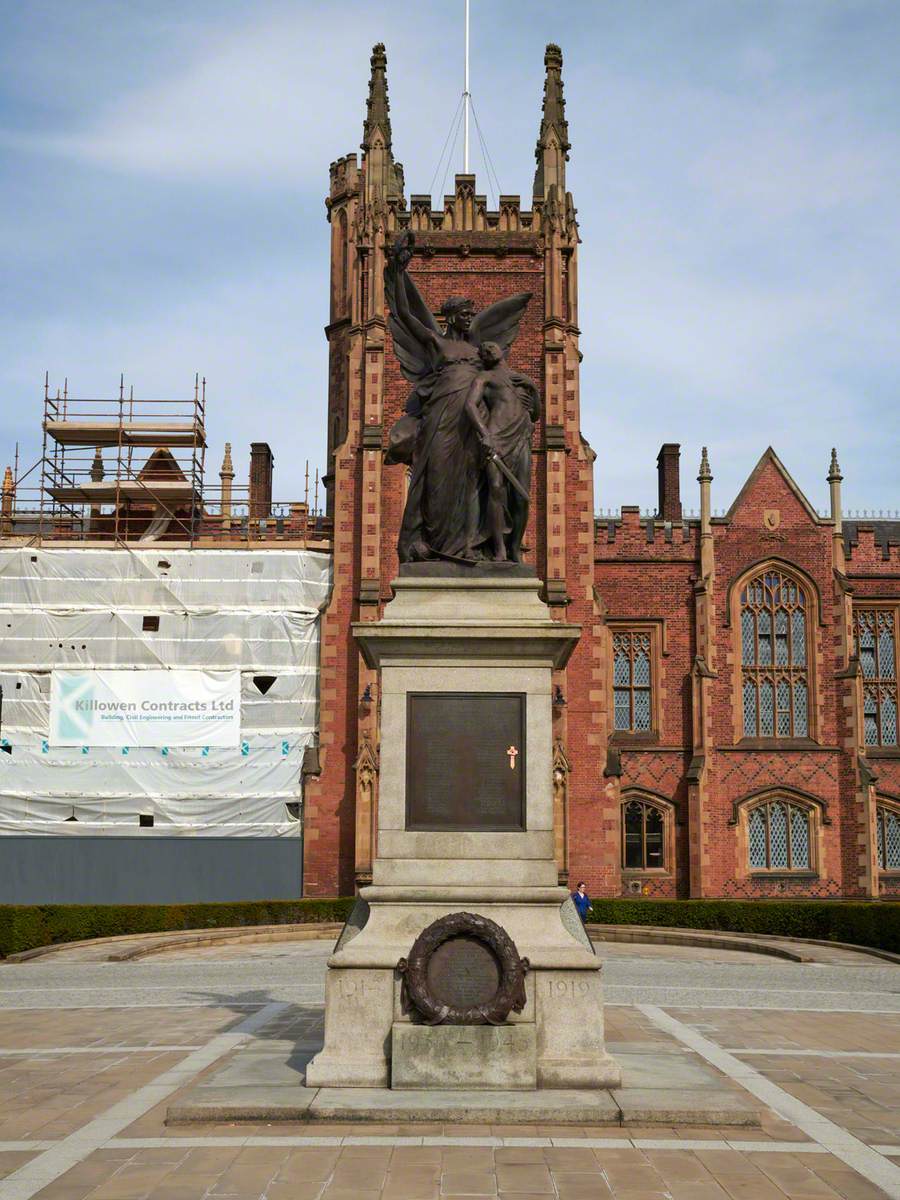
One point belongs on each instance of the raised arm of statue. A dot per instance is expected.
(417, 338)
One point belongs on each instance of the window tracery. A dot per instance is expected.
(774, 656)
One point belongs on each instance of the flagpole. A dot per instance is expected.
(466, 100)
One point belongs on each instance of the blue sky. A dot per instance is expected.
(735, 165)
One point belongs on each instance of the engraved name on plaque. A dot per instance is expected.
(465, 761)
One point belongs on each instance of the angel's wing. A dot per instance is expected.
(408, 313)
(500, 322)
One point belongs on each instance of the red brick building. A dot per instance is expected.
(727, 725)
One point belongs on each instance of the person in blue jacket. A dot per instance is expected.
(582, 902)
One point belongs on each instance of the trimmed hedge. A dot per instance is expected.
(23, 927)
(864, 923)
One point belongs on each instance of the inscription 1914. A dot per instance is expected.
(465, 761)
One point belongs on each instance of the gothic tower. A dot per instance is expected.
(462, 248)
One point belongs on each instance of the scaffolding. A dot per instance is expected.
(122, 470)
(126, 471)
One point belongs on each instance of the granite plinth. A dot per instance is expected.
(452, 1057)
(451, 634)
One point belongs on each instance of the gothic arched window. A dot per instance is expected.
(774, 663)
(779, 836)
(876, 645)
(887, 827)
(632, 681)
(643, 836)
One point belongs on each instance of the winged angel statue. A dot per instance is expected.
(467, 430)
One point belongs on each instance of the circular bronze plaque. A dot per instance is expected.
(463, 972)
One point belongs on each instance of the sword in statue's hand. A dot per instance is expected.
(498, 462)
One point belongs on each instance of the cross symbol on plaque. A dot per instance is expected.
(511, 754)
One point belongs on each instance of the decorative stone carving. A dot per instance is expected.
(366, 767)
(561, 769)
(463, 969)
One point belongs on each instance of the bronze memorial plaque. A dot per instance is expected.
(465, 761)
(463, 972)
(463, 969)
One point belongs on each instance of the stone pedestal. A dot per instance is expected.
(460, 636)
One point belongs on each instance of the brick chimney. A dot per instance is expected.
(261, 463)
(669, 482)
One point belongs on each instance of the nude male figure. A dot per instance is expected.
(503, 406)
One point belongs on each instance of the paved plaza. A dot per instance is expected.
(94, 1053)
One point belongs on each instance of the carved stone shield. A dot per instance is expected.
(463, 970)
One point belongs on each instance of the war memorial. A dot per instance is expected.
(460, 692)
(463, 985)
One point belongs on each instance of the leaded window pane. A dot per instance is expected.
(778, 836)
(784, 708)
(886, 645)
(781, 638)
(880, 822)
(642, 711)
(888, 718)
(766, 708)
(749, 709)
(867, 661)
(799, 838)
(632, 682)
(876, 646)
(870, 716)
(764, 624)
(642, 669)
(798, 638)
(748, 638)
(892, 841)
(757, 838)
(801, 717)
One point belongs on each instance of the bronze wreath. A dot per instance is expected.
(510, 994)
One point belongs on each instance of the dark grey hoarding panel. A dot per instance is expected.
(152, 870)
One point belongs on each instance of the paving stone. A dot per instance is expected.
(469, 1183)
(524, 1177)
(688, 1107)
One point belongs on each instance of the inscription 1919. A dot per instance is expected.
(465, 761)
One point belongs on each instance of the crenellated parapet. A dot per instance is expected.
(632, 535)
(871, 544)
(466, 210)
(343, 179)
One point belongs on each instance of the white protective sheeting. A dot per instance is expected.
(254, 611)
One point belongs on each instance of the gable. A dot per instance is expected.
(771, 495)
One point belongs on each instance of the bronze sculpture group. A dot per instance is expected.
(466, 434)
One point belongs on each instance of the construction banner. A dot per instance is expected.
(145, 708)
